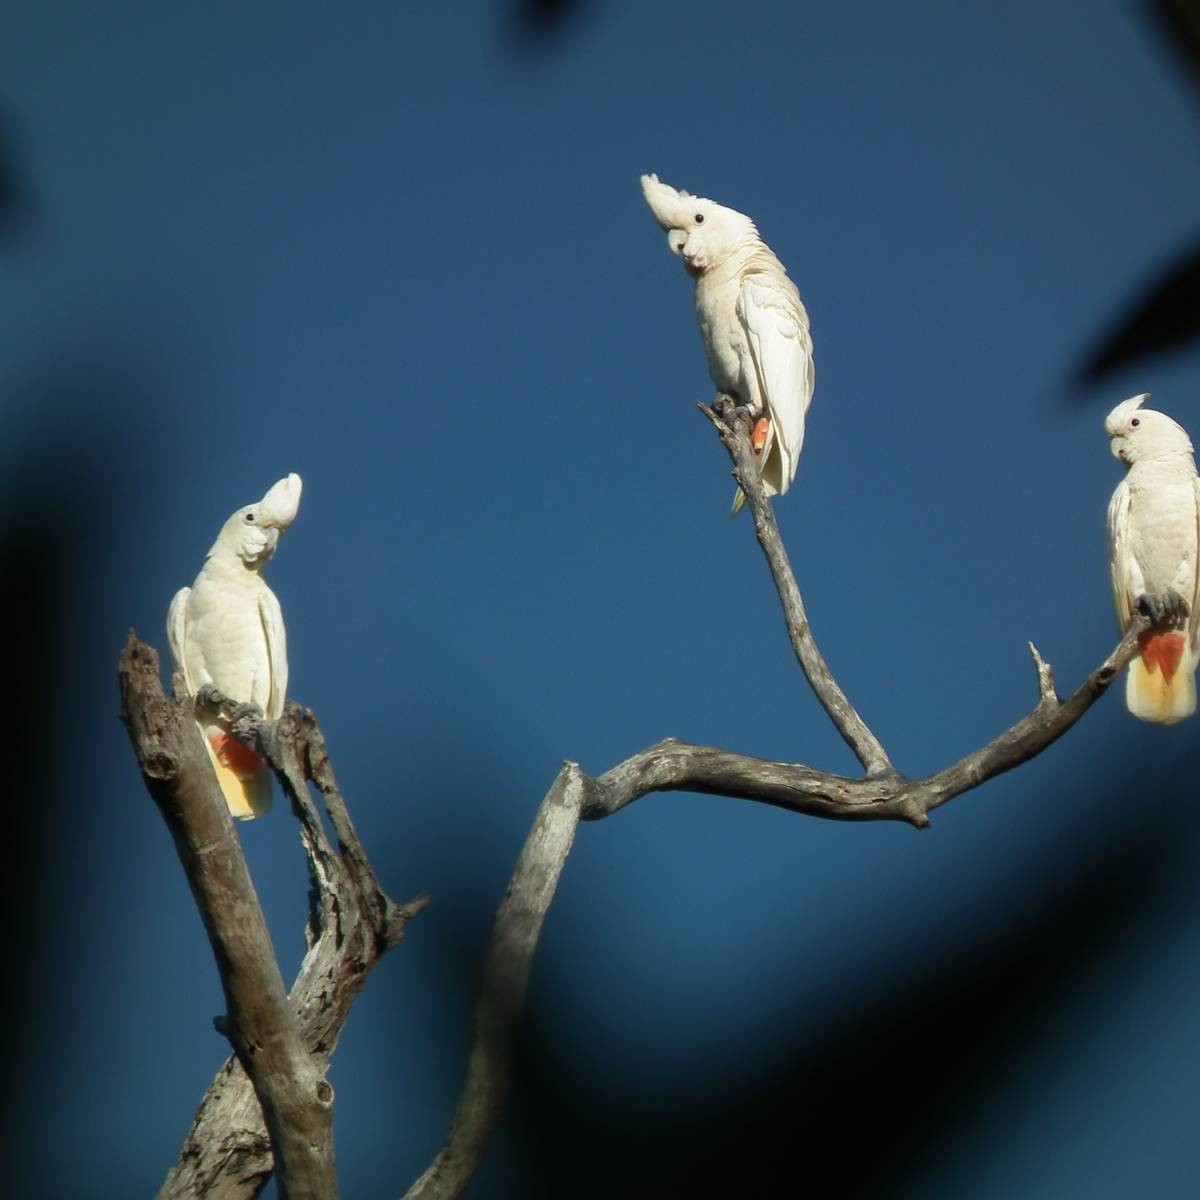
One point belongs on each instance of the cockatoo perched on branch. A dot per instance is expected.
(752, 322)
(226, 631)
(1153, 545)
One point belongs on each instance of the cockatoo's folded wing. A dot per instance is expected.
(776, 326)
(1194, 614)
(1118, 553)
(272, 622)
(177, 635)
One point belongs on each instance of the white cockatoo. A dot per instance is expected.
(1153, 546)
(227, 630)
(752, 323)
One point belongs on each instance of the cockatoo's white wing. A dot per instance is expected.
(776, 326)
(1194, 614)
(1118, 553)
(272, 622)
(177, 635)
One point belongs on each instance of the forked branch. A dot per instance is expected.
(882, 794)
(286, 1042)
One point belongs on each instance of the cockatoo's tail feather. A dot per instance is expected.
(1161, 684)
(244, 778)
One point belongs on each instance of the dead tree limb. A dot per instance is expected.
(231, 1148)
(733, 425)
(882, 794)
(515, 932)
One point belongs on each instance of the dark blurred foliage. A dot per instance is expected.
(870, 1100)
(56, 490)
(1166, 315)
(540, 22)
(15, 205)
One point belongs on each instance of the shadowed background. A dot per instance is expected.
(403, 251)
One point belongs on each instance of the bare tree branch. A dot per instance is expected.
(296, 1101)
(733, 426)
(676, 766)
(227, 1154)
(883, 794)
(515, 933)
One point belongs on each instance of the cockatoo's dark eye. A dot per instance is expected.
(699, 218)
(1136, 422)
(249, 518)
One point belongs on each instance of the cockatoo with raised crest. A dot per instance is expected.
(1153, 547)
(226, 631)
(752, 323)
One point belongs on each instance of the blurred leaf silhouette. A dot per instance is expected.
(542, 20)
(871, 1098)
(1167, 315)
(14, 199)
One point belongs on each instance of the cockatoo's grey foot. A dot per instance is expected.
(211, 696)
(251, 728)
(723, 405)
(1176, 608)
(1150, 606)
(1168, 610)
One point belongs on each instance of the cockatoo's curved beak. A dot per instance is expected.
(1117, 448)
(281, 504)
(676, 239)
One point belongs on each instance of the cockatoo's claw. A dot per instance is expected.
(723, 406)
(242, 712)
(210, 696)
(1150, 606)
(1176, 608)
(1169, 610)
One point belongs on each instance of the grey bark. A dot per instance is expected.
(269, 1107)
(515, 932)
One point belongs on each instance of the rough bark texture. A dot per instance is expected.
(282, 1044)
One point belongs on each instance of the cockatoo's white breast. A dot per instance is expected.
(726, 347)
(226, 642)
(1161, 529)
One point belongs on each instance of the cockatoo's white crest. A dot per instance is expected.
(702, 232)
(252, 533)
(1139, 434)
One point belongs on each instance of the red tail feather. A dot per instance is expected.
(241, 760)
(1162, 650)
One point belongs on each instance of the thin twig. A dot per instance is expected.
(733, 427)
(677, 766)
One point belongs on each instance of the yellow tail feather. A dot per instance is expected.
(247, 796)
(1150, 697)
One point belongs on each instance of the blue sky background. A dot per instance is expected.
(403, 251)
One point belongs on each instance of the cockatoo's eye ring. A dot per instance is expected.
(249, 518)
(1136, 422)
(699, 218)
